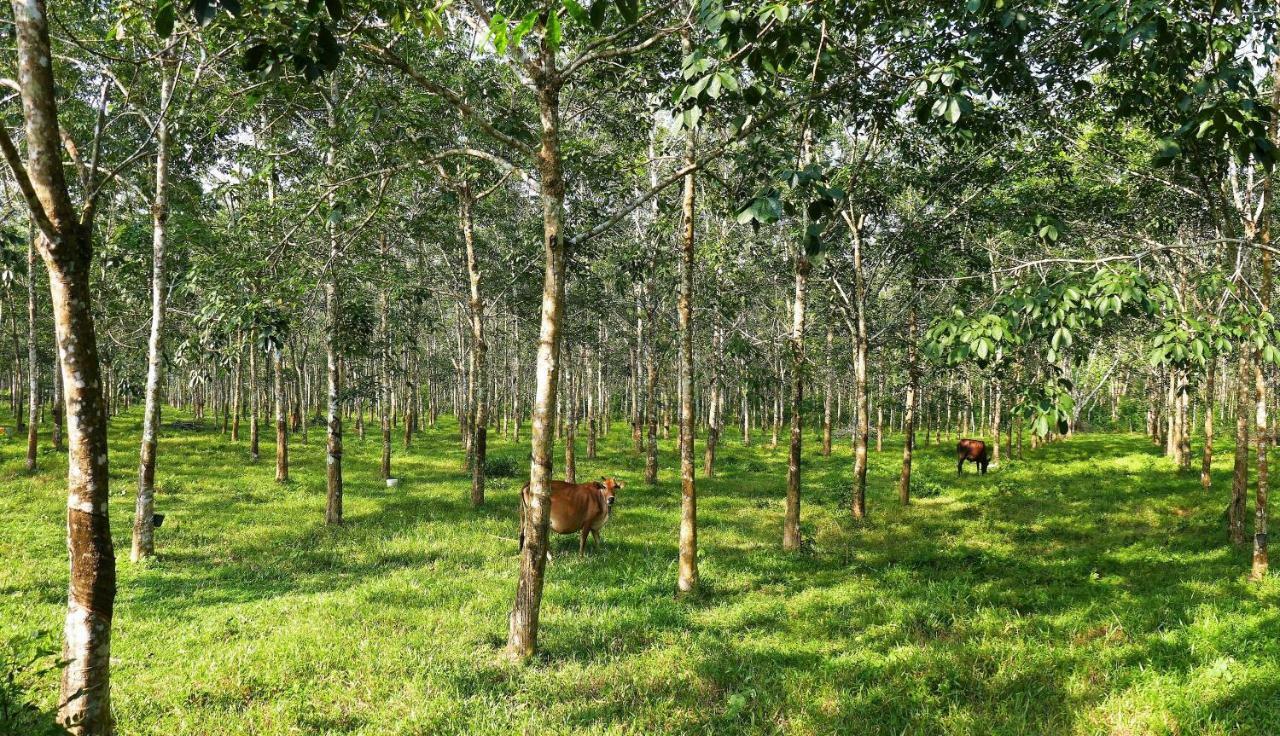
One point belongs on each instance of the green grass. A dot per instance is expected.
(1087, 589)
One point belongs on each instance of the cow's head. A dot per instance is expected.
(609, 490)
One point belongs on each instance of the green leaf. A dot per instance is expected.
(577, 12)
(328, 51)
(498, 32)
(526, 25)
(164, 18)
(254, 57)
(597, 12)
(204, 11)
(553, 31)
(953, 109)
(630, 9)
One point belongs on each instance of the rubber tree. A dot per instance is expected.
(144, 513)
(66, 247)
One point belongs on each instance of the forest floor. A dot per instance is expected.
(1087, 589)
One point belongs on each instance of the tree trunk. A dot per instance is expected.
(144, 512)
(714, 408)
(791, 518)
(522, 637)
(1206, 463)
(67, 250)
(909, 411)
(1240, 476)
(282, 417)
(688, 575)
(571, 424)
(56, 408)
(236, 391)
(332, 295)
(861, 402)
(826, 398)
(33, 359)
(1261, 429)
(384, 373)
(650, 410)
(255, 398)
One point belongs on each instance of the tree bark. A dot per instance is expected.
(255, 399)
(236, 391)
(333, 361)
(909, 411)
(571, 424)
(33, 359)
(384, 372)
(1206, 463)
(826, 397)
(1240, 476)
(1262, 430)
(715, 414)
(67, 250)
(791, 518)
(144, 512)
(863, 435)
(522, 637)
(687, 580)
(282, 417)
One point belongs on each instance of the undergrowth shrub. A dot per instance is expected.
(500, 466)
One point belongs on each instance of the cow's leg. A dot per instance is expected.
(582, 542)
(595, 533)
(960, 465)
(984, 466)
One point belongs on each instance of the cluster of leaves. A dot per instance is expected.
(1048, 315)
(1038, 325)
(794, 192)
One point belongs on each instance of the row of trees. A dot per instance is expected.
(758, 214)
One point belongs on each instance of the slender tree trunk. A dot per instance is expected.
(236, 382)
(144, 513)
(282, 417)
(862, 404)
(1206, 463)
(571, 424)
(255, 398)
(384, 372)
(56, 408)
(522, 638)
(1262, 430)
(333, 361)
(1240, 476)
(688, 575)
(651, 411)
(995, 422)
(714, 405)
(826, 397)
(909, 411)
(33, 359)
(791, 519)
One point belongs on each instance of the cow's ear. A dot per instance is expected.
(599, 485)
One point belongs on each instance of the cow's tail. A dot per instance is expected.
(524, 512)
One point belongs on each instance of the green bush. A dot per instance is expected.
(500, 466)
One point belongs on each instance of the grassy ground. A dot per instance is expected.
(1087, 589)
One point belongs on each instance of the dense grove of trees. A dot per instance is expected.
(1006, 219)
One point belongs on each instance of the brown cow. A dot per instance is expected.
(576, 507)
(975, 451)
